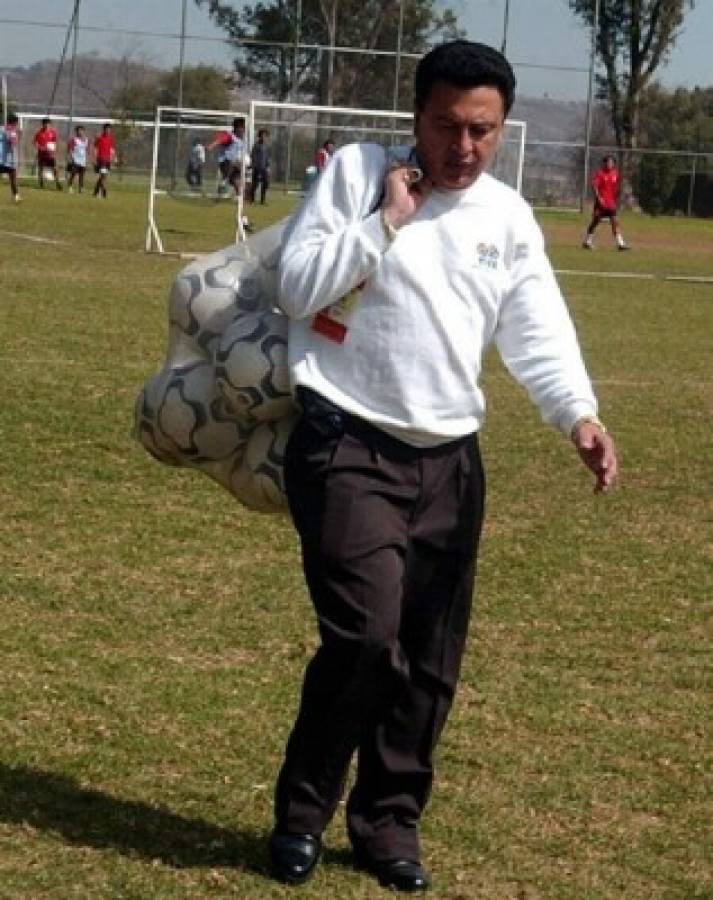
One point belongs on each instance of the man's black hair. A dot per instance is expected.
(12, 118)
(238, 123)
(464, 64)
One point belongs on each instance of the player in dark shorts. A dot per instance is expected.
(606, 183)
(77, 153)
(9, 155)
(45, 141)
(104, 155)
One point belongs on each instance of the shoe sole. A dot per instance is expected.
(368, 867)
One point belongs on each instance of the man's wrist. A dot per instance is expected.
(587, 420)
(389, 230)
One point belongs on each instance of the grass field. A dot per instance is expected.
(154, 632)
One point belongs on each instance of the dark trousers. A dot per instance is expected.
(261, 179)
(389, 535)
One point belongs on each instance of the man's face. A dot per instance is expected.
(457, 133)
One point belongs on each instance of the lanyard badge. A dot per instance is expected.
(331, 322)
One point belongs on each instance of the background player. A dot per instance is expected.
(77, 151)
(45, 141)
(606, 183)
(104, 156)
(231, 154)
(324, 154)
(260, 161)
(9, 156)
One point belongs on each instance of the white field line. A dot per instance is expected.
(30, 237)
(643, 276)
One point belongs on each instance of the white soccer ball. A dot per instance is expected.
(204, 300)
(259, 481)
(251, 366)
(195, 417)
(146, 429)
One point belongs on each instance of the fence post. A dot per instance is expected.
(692, 188)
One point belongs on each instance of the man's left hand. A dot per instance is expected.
(598, 453)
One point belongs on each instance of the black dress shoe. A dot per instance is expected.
(397, 874)
(294, 856)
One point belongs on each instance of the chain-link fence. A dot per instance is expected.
(656, 181)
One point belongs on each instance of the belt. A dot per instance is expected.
(331, 421)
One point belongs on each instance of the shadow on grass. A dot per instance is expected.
(92, 818)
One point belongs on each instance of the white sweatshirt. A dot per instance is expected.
(470, 267)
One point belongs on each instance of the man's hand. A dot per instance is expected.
(402, 195)
(598, 453)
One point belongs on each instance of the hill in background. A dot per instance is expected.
(98, 79)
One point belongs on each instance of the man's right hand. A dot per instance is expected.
(402, 196)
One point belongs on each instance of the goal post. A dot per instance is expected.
(175, 131)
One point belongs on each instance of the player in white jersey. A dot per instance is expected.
(9, 155)
(77, 152)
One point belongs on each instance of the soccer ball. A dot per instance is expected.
(251, 366)
(146, 429)
(204, 301)
(259, 481)
(193, 417)
(213, 291)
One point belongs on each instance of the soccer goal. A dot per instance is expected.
(184, 170)
(297, 131)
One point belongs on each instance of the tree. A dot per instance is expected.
(318, 72)
(633, 39)
(204, 87)
(676, 120)
(654, 181)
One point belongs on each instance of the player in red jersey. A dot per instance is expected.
(606, 183)
(45, 141)
(324, 154)
(104, 156)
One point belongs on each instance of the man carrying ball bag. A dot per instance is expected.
(394, 285)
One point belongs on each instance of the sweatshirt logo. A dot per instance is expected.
(488, 256)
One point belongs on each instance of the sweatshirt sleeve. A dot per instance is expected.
(335, 240)
(535, 335)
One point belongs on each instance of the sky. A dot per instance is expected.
(541, 35)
